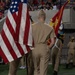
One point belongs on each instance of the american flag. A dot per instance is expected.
(16, 35)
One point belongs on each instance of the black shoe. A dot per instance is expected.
(55, 73)
(71, 65)
(67, 66)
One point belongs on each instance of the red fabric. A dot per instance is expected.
(2, 4)
(42, 3)
(57, 18)
(35, 2)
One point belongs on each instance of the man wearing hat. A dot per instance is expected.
(41, 52)
(71, 52)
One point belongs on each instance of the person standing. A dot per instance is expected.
(71, 52)
(30, 65)
(29, 58)
(13, 66)
(56, 53)
(41, 52)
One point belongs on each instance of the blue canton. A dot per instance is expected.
(15, 5)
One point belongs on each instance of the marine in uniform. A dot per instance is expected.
(29, 62)
(56, 53)
(41, 52)
(71, 52)
(29, 58)
(30, 65)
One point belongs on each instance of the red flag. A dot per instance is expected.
(56, 20)
(16, 35)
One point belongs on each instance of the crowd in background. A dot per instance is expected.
(4, 5)
(48, 4)
(42, 4)
(34, 5)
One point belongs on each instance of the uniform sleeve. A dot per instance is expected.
(52, 34)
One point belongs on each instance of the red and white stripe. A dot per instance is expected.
(12, 47)
(24, 27)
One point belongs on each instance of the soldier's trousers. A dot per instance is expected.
(55, 61)
(30, 66)
(22, 61)
(41, 55)
(13, 67)
(71, 56)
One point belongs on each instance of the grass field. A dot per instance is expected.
(62, 70)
